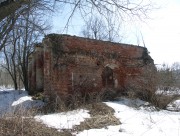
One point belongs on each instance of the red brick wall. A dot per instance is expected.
(71, 64)
(79, 64)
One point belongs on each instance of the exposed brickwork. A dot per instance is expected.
(65, 64)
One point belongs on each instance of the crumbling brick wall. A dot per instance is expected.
(65, 64)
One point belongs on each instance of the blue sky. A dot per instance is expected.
(161, 33)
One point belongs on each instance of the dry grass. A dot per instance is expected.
(161, 101)
(21, 122)
(99, 109)
(101, 114)
(72, 101)
(101, 117)
(19, 126)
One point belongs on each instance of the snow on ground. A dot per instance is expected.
(174, 106)
(139, 121)
(11, 99)
(65, 120)
(138, 118)
(172, 91)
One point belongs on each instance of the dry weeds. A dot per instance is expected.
(161, 101)
(20, 126)
(101, 117)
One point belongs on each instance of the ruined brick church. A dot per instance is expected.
(63, 64)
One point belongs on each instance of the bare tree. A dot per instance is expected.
(12, 11)
(99, 29)
(114, 29)
(176, 73)
(8, 7)
(11, 62)
(5, 27)
(27, 30)
(94, 28)
(121, 9)
(166, 78)
(31, 30)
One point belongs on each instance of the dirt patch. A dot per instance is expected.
(101, 117)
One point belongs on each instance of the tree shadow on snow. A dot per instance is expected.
(14, 101)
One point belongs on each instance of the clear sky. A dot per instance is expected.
(161, 33)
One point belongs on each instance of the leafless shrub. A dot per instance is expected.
(101, 114)
(146, 89)
(84, 92)
(54, 104)
(161, 101)
(143, 94)
(166, 79)
(167, 82)
(76, 100)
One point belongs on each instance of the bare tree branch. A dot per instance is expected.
(97, 28)
(14, 10)
(122, 9)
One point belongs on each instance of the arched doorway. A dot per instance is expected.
(107, 77)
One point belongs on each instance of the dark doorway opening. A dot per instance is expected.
(107, 77)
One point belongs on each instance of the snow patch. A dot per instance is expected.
(10, 100)
(174, 106)
(65, 120)
(139, 122)
(138, 118)
(21, 100)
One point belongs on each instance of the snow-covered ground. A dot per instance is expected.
(64, 120)
(138, 118)
(139, 121)
(11, 99)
